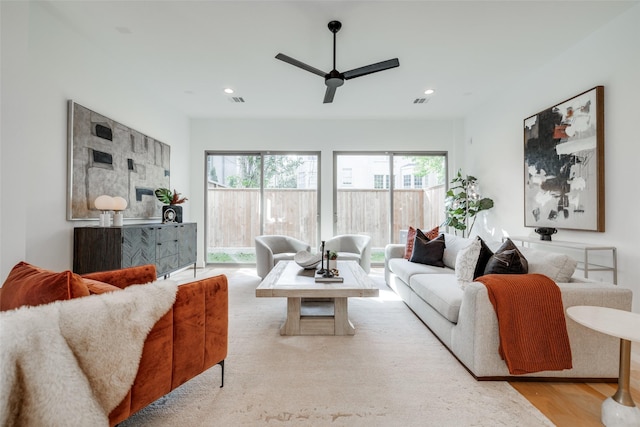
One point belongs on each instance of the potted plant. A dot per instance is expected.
(333, 260)
(171, 212)
(462, 203)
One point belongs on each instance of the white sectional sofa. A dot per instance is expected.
(466, 323)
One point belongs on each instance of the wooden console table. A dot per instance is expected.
(169, 246)
(584, 248)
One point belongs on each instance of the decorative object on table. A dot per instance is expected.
(329, 274)
(332, 260)
(564, 164)
(329, 279)
(322, 269)
(171, 212)
(546, 232)
(107, 157)
(105, 204)
(119, 205)
(463, 203)
(307, 260)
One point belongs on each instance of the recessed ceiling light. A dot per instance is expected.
(429, 91)
(228, 90)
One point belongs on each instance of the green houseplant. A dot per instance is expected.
(171, 212)
(463, 203)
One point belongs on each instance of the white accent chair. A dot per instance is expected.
(274, 248)
(352, 247)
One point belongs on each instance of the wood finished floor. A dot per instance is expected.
(577, 404)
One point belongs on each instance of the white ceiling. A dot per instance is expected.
(189, 51)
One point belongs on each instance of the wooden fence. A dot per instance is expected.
(234, 214)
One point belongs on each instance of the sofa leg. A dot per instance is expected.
(221, 363)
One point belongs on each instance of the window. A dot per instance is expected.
(384, 211)
(417, 181)
(347, 176)
(381, 181)
(250, 194)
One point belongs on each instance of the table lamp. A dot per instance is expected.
(119, 205)
(105, 204)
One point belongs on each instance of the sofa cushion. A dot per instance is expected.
(404, 269)
(411, 235)
(466, 262)
(483, 258)
(123, 277)
(507, 260)
(96, 287)
(29, 285)
(427, 251)
(558, 267)
(453, 245)
(439, 291)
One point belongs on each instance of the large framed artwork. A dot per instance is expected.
(107, 157)
(564, 164)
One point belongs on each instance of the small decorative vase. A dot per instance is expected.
(333, 264)
(171, 213)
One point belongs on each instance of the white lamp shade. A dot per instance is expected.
(119, 203)
(104, 203)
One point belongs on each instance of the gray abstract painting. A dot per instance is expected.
(107, 157)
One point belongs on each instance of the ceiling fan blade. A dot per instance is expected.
(328, 95)
(369, 69)
(299, 64)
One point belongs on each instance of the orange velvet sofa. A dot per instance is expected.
(189, 339)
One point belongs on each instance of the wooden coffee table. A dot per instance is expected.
(287, 279)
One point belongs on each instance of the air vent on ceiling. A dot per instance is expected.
(421, 100)
(236, 99)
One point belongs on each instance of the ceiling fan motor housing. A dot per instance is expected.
(334, 79)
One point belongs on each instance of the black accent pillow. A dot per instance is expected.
(483, 259)
(427, 251)
(507, 260)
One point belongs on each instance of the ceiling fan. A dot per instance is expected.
(334, 78)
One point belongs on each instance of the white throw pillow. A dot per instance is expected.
(558, 267)
(466, 263)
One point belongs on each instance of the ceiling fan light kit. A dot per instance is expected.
(334, 79)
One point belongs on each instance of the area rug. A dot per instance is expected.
(392, 372)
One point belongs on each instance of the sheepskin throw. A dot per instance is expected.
(69, 363)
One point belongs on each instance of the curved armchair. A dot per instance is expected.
(274, 248)
(352, 247)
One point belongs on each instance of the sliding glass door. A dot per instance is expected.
(250, 194)
(382, 194)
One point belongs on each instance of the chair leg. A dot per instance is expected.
(221, 363)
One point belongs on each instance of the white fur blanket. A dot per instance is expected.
(70, 363)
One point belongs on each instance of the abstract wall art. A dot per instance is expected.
(564, 164)
(107, 157)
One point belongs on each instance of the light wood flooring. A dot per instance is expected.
(577, 404)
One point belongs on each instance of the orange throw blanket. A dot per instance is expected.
(531, 322)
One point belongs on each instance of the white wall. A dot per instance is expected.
(494, 139)
(325, 136)
(45, 63)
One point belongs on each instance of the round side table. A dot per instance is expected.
(619, 409)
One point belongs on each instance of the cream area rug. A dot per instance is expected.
(392, 372)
